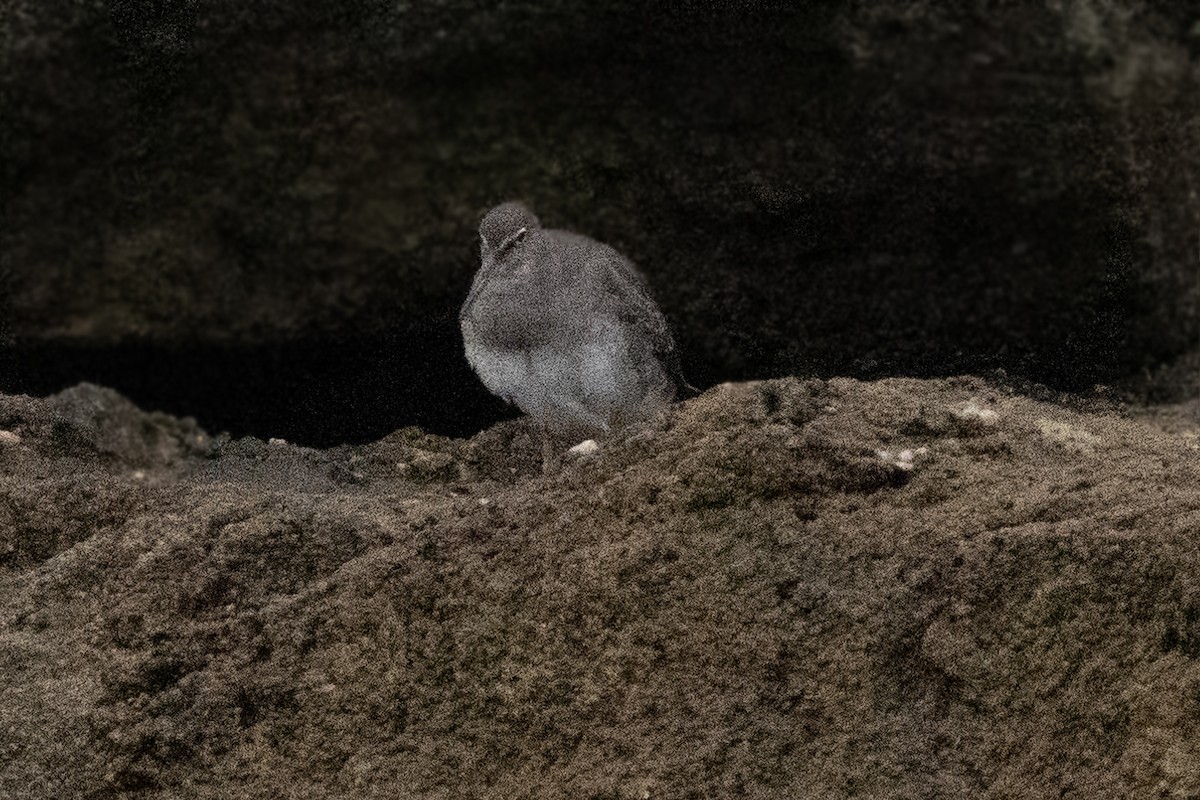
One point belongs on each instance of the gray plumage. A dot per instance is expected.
(564, 327)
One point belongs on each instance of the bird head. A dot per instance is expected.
(508, 236)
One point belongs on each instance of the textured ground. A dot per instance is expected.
(913, 589)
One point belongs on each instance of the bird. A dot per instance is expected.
(564, 327)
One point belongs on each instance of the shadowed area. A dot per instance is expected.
(869, 189)
(318, 392)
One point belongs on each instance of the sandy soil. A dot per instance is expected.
(902, 589)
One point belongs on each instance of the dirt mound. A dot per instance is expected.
(797, 589)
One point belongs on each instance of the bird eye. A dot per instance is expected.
(512, 240)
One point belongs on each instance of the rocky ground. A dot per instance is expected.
(915, 589)
(264, 215)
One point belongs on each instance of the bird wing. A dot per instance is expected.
(628, 298)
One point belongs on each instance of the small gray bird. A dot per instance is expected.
(564, 327)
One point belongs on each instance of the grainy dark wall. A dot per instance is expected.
(265, 215)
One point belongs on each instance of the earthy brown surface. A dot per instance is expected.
(754, 603)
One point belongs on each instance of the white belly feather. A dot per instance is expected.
(563, 384)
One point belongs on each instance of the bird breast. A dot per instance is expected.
(577, 382)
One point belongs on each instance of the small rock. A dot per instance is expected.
(975, 418)
(1068, 437)
(9, 437)
(276, 442)
(585, 448)
(905, 459)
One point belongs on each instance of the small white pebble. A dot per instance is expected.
(585, 448)
(9, 437)
(903, 460)
(485, 501)
(973, 412)
(139, 475)
(276, 442)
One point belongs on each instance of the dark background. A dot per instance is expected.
(263, 215)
